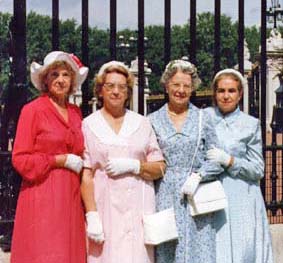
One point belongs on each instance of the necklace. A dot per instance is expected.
(172, 113)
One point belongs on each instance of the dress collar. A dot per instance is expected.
(228, 118)
(186, 129)
(99, 126)
(50, 106)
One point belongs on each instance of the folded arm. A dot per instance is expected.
(251, 165)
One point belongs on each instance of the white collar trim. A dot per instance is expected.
(99, 126)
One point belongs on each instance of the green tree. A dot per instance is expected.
(252, 36)
(205, 45)
(39, 35)
(4, 53)
(154, 54)
(69, 37)
(99, 42)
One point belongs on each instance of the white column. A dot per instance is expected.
(247, 70)
(246, 96)
(272, 83)
(135, 105)
(135, 96)
(274, 46)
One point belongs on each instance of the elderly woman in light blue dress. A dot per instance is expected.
(176, 127)
(242, 229)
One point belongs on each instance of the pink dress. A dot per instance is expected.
(120, 200)
(49, 225)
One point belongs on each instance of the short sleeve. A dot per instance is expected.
(88, 163)
(153, 152)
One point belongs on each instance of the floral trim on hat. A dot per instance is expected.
(77, 60)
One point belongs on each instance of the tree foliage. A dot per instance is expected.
(39, 43)
(4, 53)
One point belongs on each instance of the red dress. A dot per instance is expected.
(49, 224)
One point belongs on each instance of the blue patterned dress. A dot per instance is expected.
(242, 229)
(196, 242)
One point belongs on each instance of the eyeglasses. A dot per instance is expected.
(177, 86)
(110, 86)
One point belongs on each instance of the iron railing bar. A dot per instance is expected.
(141, 75)
(85, 57)
(263, 83)
(113, 29)
(55, 24)
(217, 18)
(241, 33)
(193, 24)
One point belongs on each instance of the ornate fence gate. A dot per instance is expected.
(17, 90)
(273, 144)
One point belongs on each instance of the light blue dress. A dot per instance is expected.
(196, 242)
(242, 229)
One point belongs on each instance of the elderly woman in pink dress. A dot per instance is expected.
(121, 160)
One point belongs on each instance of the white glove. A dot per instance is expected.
(191, 185)
(94, 226)
(218, 156)
(74, 163)
(117, 166)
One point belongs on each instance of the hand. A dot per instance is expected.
(74, 163)
(94, 227)
(191, 185)
(117, 166)
(219, 156)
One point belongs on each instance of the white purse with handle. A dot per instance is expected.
(160, 227)
(209, 197)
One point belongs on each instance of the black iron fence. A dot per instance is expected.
(273, 175)
(9, 189)
(9, 181)
(254, 96)
(272, 184)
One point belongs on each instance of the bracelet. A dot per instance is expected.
(231, 162)
(141, 167)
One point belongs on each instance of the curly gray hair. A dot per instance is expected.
(185, 67)
(109, 67)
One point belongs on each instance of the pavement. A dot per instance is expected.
(4, 257)
(277, 244)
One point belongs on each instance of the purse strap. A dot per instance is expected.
(195, 153)
(198, 140)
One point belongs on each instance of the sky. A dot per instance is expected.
(127, 11)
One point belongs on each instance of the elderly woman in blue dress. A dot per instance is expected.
(176, 127)
(242, 229)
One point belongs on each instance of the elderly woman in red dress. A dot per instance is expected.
(49, 224)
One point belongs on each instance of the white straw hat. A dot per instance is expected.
(80, 70)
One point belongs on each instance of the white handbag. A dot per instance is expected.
(160, 227)
(209, 197)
